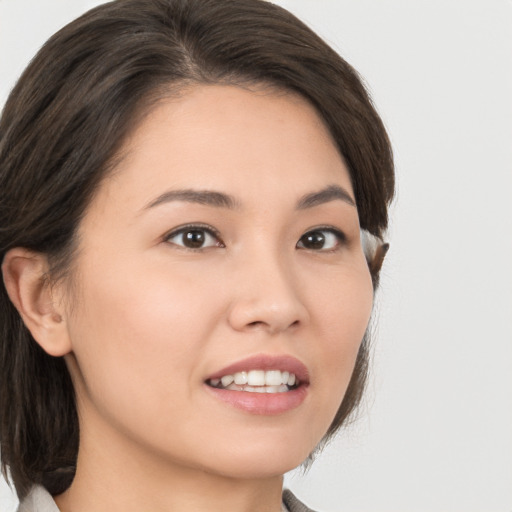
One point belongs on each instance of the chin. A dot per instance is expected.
(260, 459)
(257, 470)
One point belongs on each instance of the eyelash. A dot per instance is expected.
(340, 236)
(194, 227)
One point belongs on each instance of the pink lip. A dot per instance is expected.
(263, 403)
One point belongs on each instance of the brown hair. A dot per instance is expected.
(68, 116)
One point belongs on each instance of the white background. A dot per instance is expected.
(435, 433)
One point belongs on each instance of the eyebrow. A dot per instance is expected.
(329, 193)
(222, 200)
(206, 197)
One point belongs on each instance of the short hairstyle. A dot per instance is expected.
(66, 120)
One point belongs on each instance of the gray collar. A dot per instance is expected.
(40, 500)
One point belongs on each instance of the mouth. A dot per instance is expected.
(261, 384)
(257, 381)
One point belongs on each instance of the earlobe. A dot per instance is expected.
(25, 277)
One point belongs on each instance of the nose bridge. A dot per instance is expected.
(267, 292)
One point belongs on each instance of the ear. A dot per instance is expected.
(374, 250)
(378, 258)
(25, 276)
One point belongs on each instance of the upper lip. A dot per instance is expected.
(284, 362)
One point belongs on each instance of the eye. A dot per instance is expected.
(194, 237)
(322, 239)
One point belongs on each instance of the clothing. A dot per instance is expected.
(40, 500)
(292, 504)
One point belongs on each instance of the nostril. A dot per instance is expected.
(255, 324)
(264, 325)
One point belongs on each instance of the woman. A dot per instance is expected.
(193, 194)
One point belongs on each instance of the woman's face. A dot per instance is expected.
(224, 246)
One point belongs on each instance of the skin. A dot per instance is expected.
(147, 320)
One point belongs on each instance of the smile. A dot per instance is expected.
(257, 381)
(262, 384)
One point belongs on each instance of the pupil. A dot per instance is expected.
(314, 240)
(194, 239)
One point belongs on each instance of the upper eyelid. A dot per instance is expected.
(338, 233)
(180, 229)
(331, 229)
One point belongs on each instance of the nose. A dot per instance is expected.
(267, 297)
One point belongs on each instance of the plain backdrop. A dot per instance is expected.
(435, 431)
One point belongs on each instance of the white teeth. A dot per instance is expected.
(257, 381)
(256, 378)
(227, 380)
(273, 378)
(240, 378)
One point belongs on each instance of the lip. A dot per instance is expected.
(269, 404)
(266, 362)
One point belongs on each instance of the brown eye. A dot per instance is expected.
(321, 240)
(194, 237)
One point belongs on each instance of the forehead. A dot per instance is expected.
(244, 142)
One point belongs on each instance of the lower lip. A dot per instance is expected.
(261, 403)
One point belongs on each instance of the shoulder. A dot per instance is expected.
(293, 504)
(38, 500)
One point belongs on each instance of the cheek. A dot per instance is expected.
(342, 304)
(137, 335)
(343, 313)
